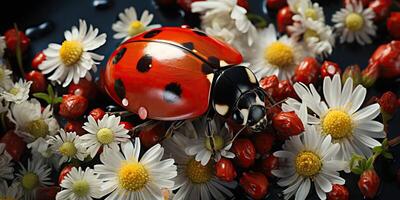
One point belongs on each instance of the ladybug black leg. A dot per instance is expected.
(143, 125)
(172, 128)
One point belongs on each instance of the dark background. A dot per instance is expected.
(65, 14)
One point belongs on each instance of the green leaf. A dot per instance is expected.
(50, 91)
(257, 20)
(57, 100)
(43, 96)
(377, 149)
(357, 170)
(370, 163)
(387, 155)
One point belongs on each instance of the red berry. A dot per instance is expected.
(307, 71)
(263, 142)
(285, 90)
(225, 170)
(381, 8)
(10, 36)
(387, 56)
(284, 19)
(270, 84)
(39, 83)
(74, 126)
(329, 68)
(388, 102)
(97, 113)
(47, 193)
(73, 106)
(150, 136)
(353, 72)
(255, 184)
(393, 25)
(15, 146)
(370, 74)
(287, 123)
(64, 173)
(276, 4)
(268, 164)
(244, 4)
(338, 192)
(369, 183)
(84, 88)
(244, 151)
(37, 60)
(127, 125)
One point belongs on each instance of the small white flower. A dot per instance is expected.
(128, 177)
(340, 116)
(317, 36)
(129, 25)
(194, 180)
(310, 11)
(5, 77)
(305, 159)
(273, 56)
(31, 123)
(17, 92)
(3, 46)
(227, 14)
(34, 176)
(106, 133)
(355, 23)
(200, 146)
(14, 192)
(73, 60)
(6, 166)
(68, 145)
(80, 184)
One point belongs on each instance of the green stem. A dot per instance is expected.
(18, 51)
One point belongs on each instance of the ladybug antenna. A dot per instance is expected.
(276, 103)
(237, 133)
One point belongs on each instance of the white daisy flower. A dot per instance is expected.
(294, 5)
(308, 158)
(73, 60)
(306, 10)
(12, 192)
(194, 180)
(32, 124)
(68, 145)
(227, 14)
(129, 25)
(355, 23)
(317, 36)
(341, 117)
(200, 146)
(3, 46)
(5, 77)
(128, 177)
(6, 166)
(35, 176)
(106, 133)
(221, 33)
(274, 56)
(17, 92)
(80, 184)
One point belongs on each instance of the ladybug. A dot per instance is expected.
(174, 73)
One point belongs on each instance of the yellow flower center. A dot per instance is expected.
(38, 128)
(71, 52)
(14, 91)
(105, 136)
(308, 164)
(218, 143)
(310, 33)
(311, 13)
(198, 173)
(279, 54)
(80, 188)
(133, 176)
(354, 21)
(337, 123)
(68, 149)
(135, 28)
(30, 181)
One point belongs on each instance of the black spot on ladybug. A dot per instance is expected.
(172, 92)
(152, 33)
(214, 61)
(119, 55)
(199, 33)
(206, 69)
(119, 88)
(144, 63)
(188, 45)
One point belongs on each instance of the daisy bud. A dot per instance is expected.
(369, 183)
(353, 72)
(329, 68)
(393, 25)
(381, 8)
(225, 170)
(255, 184)
(276, 4)
(288, 123)
(369, 75)
(10, 36)
(284, 19)
(338, 192)
(73, 106)
(307, 71)
(15, 146)
(245, 153)
(388, 103)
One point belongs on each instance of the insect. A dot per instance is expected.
(173, 73)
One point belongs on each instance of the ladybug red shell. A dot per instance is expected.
(167, 73)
